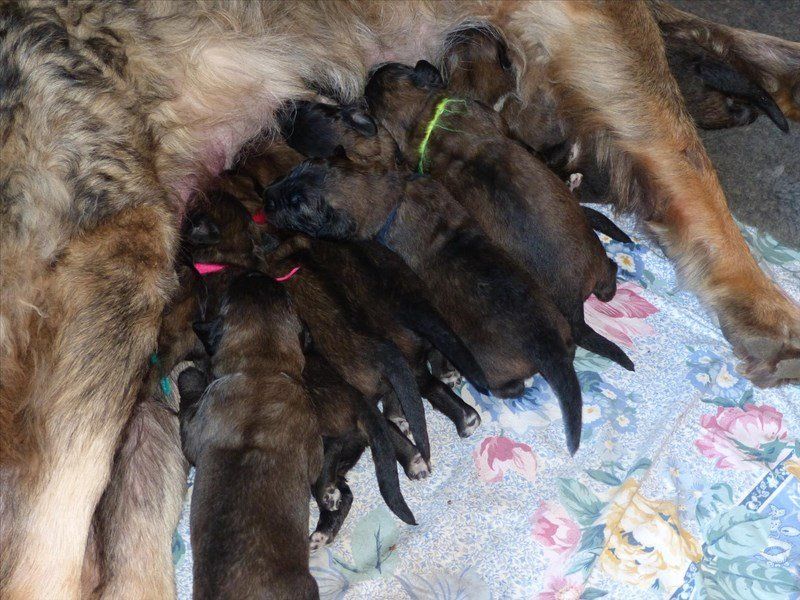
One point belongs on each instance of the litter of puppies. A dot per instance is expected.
(330, 274)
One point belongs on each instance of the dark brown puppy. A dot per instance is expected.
(225, 236)
(508, 322)
(391, 300)
(372, 365)
(522, 206)
(346, 434)
(478, 64)
(255, 444)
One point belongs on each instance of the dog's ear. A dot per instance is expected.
(502, 56)
(339, 152)
(209, 333)
(202, 231)
(359, 120)
(305, 338)
(427, 77)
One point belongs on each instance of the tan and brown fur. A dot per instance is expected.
(112, 115)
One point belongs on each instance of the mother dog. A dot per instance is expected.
(112, 114)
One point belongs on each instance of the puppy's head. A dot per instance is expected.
(478, 64)
(332, 198)
(396, 92)
(222, 232)
(317, 130)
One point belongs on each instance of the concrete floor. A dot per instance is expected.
(759, 165)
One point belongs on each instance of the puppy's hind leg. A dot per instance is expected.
(408, 455)
(330, 521)
(442, 398)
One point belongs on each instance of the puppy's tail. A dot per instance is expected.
(425, 321)
(599, 222)
(385, 464)
(592, 341)
(560, 374)
(402, 380)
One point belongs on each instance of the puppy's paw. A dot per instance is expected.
(403, 426)
(331, 498)
(318, 539)
(417, 468)
(574, 181)
(470, 423)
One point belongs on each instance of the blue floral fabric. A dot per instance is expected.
(686, 484)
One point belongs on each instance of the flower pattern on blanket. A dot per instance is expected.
(743, 438)
(644, 542)
(495, 456)
(686, 485)
(623, 317)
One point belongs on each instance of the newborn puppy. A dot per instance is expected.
(374, 366)
(255, 444)
(478, 64)
(391, 300)
(511, 326)
(231, 243)
(348, 424)
(522, 206)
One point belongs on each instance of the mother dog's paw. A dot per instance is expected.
(766, 338)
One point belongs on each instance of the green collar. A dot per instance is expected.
(441, 110)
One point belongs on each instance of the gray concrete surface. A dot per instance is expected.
(759, 166)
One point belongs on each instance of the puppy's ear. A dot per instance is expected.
(202, 231)
(209, 333)
(502, 56)
(305, 338)
(360, 121)
(339, 152)
(427, 77)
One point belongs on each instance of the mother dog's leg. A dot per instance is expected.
(608, 62)
(104, 300)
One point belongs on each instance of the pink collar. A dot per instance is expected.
(288, 276)
(260, 216)
(207, 268)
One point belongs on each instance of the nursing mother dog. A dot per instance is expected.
(114, 114)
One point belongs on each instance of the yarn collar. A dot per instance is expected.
(442, 109)
(384, 231)
(208, 268)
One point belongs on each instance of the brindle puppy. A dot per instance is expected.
(522, 206)
(348, 424)
(391, 300)
(505, 318)
(256, 447)
(224, 237)
(478, 64)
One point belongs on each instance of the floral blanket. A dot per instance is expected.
(685, 485)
